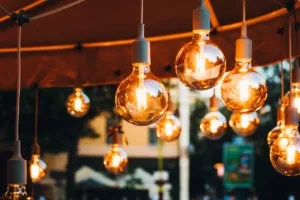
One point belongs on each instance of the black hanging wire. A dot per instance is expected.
(36, 115)
(79, 81)
(296, 26)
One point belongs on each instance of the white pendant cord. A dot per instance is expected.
(142, 11)
(290, 51)
(18, 85)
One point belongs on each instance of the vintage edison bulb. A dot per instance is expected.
(278, 130)
(168, 128)
(200, 64)
(115, 161)
(15, 192)
(244, 124)
(38, 168)
(78, 103)
(141, 99)
(243, 89)
(213, 125)
(285, 152)
(296, 95)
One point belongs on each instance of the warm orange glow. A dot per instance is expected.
(78, 103)
(213, 125)
(244, 91)
(169, 128)
(37, 168)
(115, 161)
(244, 124)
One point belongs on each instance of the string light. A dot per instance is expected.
(141, 98)
(200, 64)
(285, 151)
(213, 125)
(243, 89)
(244, 124)
(78, 103)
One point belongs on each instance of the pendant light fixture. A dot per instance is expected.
(78, 103)
(213, 125)
(244, 124)
(17, 166)
(116, 160)
(285, 151)
(243, 89)
(280, 127)
(37, 166)
(141, 98)
(200, 64)
(168, 128)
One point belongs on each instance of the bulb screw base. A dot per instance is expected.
(35, 149)
(296, 75)
(141, 49)
(16, 167)
(201, 19)
(214, 103)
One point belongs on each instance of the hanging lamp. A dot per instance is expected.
(141, 98)
(243, 90)
(200, 64)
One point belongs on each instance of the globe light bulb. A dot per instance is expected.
(213, 125)
(285, 152)
(244, 124)
(141, 98)
(200, 64)
(243, 90)
(78, 103)
(37, 168)
(168, 128)
(115, 161)
(15, 192)
(279, 129)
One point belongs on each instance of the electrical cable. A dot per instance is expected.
(5, 11)
(290, 50)
(244, 24)
(142, 11)
(36, 115)
(18, 85)
(57, 10)
(282, 81)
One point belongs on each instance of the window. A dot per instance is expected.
(152, 136)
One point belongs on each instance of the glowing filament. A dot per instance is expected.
(169, 128)
(214, 126)
(290, 155)
(243, 87)
(34, 171)
(297, 103)
(77, 104)
(244, 121)
(140, 92)
(200, 64)
(116, 160)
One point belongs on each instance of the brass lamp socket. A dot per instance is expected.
(16, 167)
(201, 19)
(141, 49)
(214, 103)
(116, 138)
(35, 149)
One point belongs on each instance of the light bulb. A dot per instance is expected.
(213, 125)
(37, 168)
(244, 124)
(279, 129)
(296, 95)
(243, 90)
(78, 103)
(15, 192)
(168, 128)
(141, 98)
(200, 64)
(285, 152)
(115, 161)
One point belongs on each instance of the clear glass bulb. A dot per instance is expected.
(168, 128)
(285, 152)
(296, 95)
(213, 125)
(15, 192)
(244, 124)
(141, 99)
(243, 90)
(38, 168)
(200, 64)
(78, 103)
(278, 130)
(115, 161)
